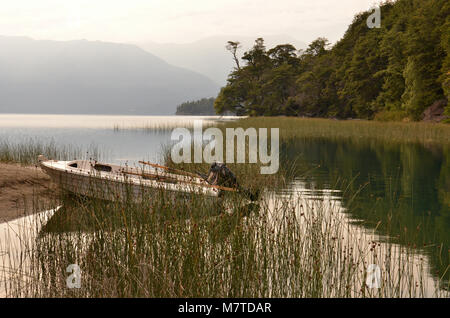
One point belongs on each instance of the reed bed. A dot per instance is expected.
(284, 246)
(165, 126)
(399, 132)
(27, 152)
(295, 127)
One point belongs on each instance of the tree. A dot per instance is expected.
(285, 53)
(233, 47)
(204, 106)
(445, 71)
(404, 66)
(318, 47)
(425, 57)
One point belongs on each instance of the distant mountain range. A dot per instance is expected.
(92, 77)
(209, 56)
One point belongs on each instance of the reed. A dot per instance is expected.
(165, 127)
(284, 246)
(295, 127)
(27, 152)
(399, 132)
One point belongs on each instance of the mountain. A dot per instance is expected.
(92, 77)
(209, 56)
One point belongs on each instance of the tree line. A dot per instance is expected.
(400, 69)
(204, 106)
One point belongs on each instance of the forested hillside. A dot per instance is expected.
(397, 70)
(202, 107)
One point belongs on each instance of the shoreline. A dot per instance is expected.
(20, 186)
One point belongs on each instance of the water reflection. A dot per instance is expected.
(362, 246)
(87, 215)
(17, 245)
(403, 190)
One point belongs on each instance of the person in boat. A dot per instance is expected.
(220, 174)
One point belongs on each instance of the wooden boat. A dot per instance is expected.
(113, 182)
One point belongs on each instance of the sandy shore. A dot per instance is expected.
(23, 190)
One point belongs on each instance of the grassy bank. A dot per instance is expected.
(27, 152)
(293, 127)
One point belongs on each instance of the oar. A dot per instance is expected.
(151, 176)
(186, 173)
(251, 195)
(169, 179)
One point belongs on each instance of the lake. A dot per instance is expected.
(406, 187)
(403, 191)
(118, 139)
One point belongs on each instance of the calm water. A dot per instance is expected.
(403, 190)
(119, 139)
(406, 187)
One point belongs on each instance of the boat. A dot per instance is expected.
(113, 182)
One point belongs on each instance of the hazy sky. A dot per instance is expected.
(176, 20)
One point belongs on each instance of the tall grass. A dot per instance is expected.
(295, 127)
(168, 126)
(27, 152)
(284, 246)
(292, 127)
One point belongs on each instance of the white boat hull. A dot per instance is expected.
(83, 178)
